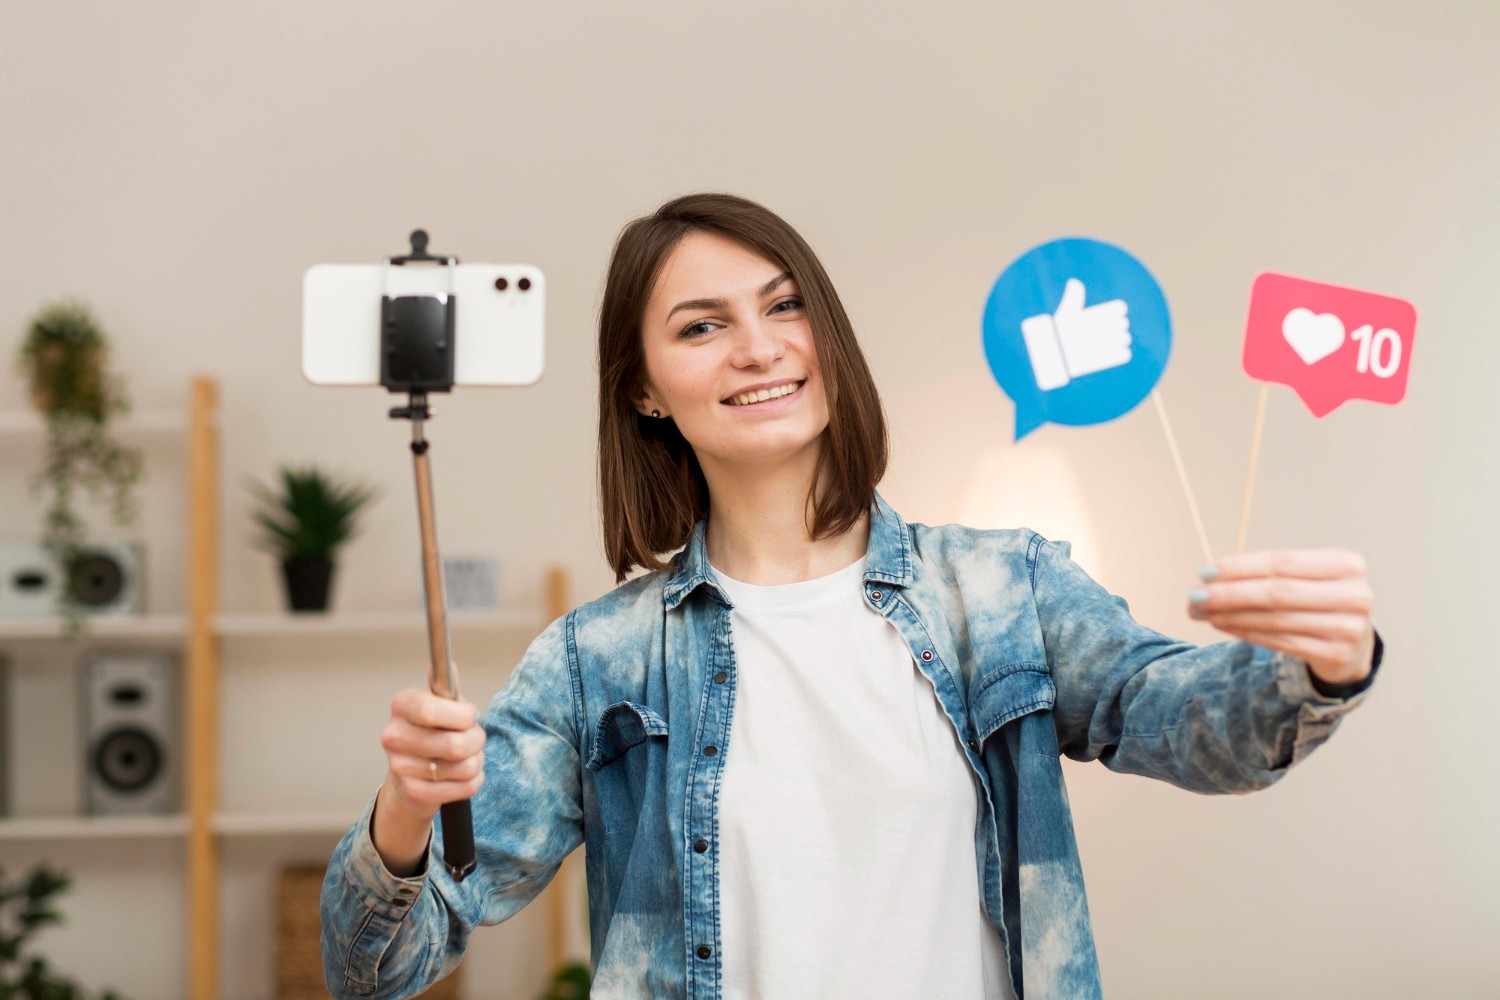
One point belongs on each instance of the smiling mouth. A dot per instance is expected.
(761, 397)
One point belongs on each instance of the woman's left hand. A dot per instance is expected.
(1312, 603)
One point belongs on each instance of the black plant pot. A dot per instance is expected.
(308, 580)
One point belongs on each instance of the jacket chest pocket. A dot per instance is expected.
(621, 726)
(1021, 690)
(628, 754)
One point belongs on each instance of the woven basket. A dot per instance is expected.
(299, 955)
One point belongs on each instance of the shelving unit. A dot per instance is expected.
(204, 631)
(166, 628)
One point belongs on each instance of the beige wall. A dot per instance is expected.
(181, 165)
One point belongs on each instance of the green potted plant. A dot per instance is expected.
(304, 523)
(62, 358)
(24, 909)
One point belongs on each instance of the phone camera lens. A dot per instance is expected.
(501, 284)
(524, 284)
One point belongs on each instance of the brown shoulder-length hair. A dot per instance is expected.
(651, 489)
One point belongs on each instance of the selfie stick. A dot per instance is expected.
(416, 356)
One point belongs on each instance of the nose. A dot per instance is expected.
(758, 344)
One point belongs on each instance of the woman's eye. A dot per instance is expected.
(703, 326)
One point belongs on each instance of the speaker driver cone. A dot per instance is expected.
(96, 579)
(127, 759)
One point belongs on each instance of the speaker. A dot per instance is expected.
(105, 580)
(131, 757)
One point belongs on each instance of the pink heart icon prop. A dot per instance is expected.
(1328, 343)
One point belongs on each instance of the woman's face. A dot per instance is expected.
(722, 322)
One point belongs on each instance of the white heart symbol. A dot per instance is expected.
(1313, 336)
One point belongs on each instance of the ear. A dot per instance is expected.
(645, 400)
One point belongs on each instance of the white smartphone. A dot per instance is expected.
(498, 322)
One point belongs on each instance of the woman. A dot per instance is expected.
(886, 816)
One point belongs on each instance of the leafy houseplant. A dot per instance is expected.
(24, 909)
(304, 524)
(62, 358)
(571, 982)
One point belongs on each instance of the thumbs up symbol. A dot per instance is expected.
(1076, 340)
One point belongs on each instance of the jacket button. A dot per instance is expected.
(704, 951)
(973, 745)
(700, 846)
(710, 750)
(720, 677)
(926, 656)
(876, 596)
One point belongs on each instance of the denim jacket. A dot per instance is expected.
(614, 729)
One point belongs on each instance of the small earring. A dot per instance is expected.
(656, 413)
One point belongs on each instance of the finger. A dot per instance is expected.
(402, 737)
(423, 708)
(1305, 648)
(1308, 564)
(430, 794)
(413, 768)
(1344, 627)
(1352, 595)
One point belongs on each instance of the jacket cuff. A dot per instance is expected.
(380, 891)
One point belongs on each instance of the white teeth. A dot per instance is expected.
(765, 394)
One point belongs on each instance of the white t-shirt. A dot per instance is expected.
(847, 811)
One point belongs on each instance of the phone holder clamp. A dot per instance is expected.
(417, 331)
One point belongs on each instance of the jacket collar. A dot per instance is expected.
(888, 558)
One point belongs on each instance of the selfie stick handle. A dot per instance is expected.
(458, 826)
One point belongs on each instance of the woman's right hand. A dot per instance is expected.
(427, 729)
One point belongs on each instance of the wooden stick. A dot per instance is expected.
(1260, 420)
(1161, 411)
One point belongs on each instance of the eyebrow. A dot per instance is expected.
(766, 289)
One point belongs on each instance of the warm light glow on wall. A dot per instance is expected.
(1031, 485)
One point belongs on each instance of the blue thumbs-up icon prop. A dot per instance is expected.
(1076, 332)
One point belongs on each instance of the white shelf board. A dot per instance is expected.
(143, 627)
(50, 828)
(368, 622)
(29, 422)
(278, 623)
(92, 827)
(284, 824)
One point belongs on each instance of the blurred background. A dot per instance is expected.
(179, 166)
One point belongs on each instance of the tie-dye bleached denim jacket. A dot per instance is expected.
(614, 729)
